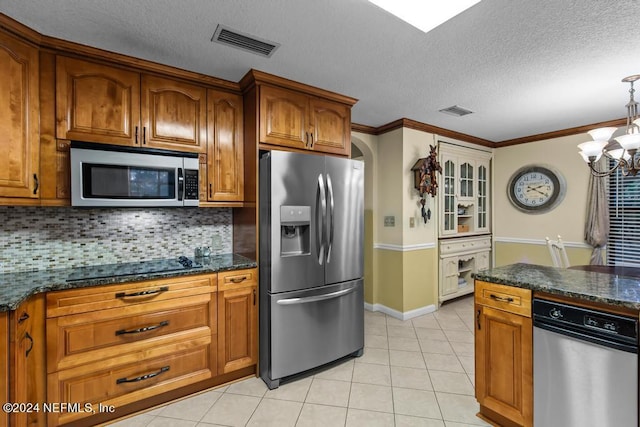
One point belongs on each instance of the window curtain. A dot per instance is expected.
(596, 230)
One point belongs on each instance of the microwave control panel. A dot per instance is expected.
(191, 184)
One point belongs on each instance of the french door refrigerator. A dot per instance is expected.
(311, 262)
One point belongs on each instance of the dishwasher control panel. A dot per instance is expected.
(585, 321)
(597, 322)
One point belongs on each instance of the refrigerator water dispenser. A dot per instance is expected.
(295, 222)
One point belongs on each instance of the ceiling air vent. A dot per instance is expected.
(231, 37)
(456, 110)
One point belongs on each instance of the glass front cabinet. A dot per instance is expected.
(464, 195)
(464, 218)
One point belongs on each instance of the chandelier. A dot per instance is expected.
(622, 149)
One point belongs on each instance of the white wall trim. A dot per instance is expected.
(404, 248)
(398, 314)
(539, 242)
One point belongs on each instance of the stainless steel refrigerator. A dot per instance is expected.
(311, 262)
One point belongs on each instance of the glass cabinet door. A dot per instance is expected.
(449, 196)
(483, 198)
(466, 180)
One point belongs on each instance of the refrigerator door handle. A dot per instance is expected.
(330, 295)
(323, 224)
(331, 217)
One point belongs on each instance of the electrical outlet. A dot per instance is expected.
(389, 221)
(215, 242)
(412, 222)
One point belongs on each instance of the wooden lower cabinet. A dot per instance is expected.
(4, 365)
(26, 362)
(503, 354)
(237, 320)
(108, 383)
(117, 345)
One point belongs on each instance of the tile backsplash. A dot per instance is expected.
(38, 238)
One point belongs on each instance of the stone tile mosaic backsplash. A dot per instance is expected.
(39, 238)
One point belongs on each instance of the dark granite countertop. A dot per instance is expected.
(17, 287)
(608, 289)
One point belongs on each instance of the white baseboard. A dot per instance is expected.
(398, 314)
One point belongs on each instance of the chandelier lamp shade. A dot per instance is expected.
(623, 150)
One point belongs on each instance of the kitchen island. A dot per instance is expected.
(504, 328)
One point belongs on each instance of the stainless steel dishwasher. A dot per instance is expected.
(585, 367)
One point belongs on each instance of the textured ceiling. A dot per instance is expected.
(523, 66)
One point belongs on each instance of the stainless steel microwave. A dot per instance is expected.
(118, 176)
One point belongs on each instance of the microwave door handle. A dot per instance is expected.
(180, 184)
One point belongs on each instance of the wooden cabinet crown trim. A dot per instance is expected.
(68, 48)
(255, 77)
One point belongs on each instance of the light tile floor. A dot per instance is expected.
(413, 373)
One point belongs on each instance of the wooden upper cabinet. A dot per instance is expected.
(99, 103)
(225, 158)
(174, 114)
(19, 104)
(284, 117)
(96, 103)
(293, 119)
(331, 123)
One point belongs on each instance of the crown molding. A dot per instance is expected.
(560, 133)
(424, 127)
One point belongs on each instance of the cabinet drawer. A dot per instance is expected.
(90, 299)
(88, 337)
(465, 245)
(123, 384)
(237, 278)
(506, 298)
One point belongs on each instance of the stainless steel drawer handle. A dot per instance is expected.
(502, 299)
(144, 329)
(290, 301)
(142, 377)
(142, 293)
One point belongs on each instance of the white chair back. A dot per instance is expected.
(558, 252)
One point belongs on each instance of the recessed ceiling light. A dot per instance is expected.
(425, 15)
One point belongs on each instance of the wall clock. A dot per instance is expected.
(536, 188)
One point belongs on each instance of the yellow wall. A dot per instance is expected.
(401, 262)
(520, 237)
(401, 272)
(367, 145)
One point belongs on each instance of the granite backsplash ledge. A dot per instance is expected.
(40, 238)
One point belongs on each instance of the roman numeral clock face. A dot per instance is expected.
(536, 189)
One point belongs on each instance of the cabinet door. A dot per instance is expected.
(466, 178)
(284, 117)
(504, 364)
(27, 360)
(97, 103)
(449, 278)
(4, 365)
(237, 329)
(482, 261)
(173, 115)
(482, 196)
(225, 167)
(19, 118)
(449, 221)
(331, 124)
